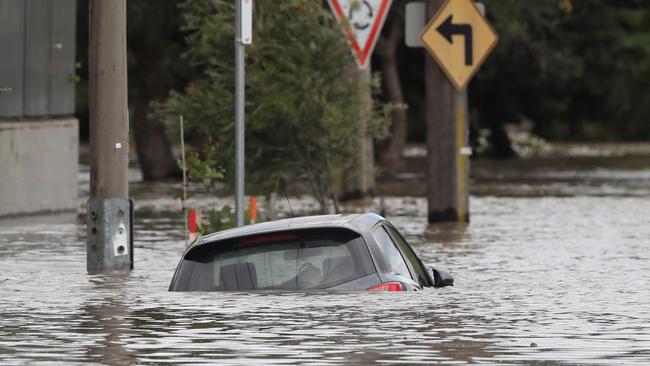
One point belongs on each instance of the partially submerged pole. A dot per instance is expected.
(109, 212)
(447, 142)
(243, 36)
(359, 181)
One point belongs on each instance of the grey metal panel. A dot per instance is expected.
(12, 25)
(37, 55)
(107, 230)
(62, 64)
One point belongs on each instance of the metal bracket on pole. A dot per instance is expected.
(416, 20)
(110, 235)
(246, 22)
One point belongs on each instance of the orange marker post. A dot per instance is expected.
(193, 232)
(253, 209)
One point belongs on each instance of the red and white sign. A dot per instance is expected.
(364, 20)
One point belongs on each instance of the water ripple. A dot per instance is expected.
(557, 279)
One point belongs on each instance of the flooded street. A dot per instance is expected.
(554, 268)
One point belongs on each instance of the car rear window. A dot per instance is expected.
(296, 260)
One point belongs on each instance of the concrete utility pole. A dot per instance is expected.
(109, 226)
(447, 138)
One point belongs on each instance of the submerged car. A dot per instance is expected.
(332, 252)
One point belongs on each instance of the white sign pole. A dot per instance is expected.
(243, 36)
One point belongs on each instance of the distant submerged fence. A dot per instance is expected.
(37, 58)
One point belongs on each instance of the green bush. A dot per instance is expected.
(303, 110)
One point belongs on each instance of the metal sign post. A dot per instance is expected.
(243, 36)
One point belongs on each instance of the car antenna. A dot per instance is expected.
(286, 195)
(186, 234)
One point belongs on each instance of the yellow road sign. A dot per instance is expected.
(460, 39)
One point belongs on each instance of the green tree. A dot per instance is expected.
(155, 43)
(303, 112)
(578, 69)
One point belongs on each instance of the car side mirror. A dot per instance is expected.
(441, 278)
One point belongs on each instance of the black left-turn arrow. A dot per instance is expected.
(448, 29)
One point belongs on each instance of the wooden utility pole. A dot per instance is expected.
(362, 22)
(447, 141)
(359, 181)
(387, 48)
(109, 223)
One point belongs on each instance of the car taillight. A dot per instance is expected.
(390, 286)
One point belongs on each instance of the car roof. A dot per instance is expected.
(359, 223)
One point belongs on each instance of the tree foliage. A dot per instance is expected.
(303, 112)
(578, 69)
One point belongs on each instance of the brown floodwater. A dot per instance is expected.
(553, 269)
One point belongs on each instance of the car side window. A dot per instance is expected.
(393, 257)
(409, 255)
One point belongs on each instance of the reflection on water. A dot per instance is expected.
(560, 279)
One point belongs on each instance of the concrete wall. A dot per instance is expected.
(38, 166)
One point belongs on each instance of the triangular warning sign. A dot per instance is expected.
(363, 21)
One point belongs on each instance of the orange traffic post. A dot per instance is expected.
(253, 209)
(192, 224)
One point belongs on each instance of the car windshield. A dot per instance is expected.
(295, 260)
